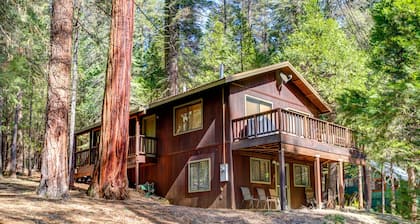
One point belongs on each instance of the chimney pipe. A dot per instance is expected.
(221, 71)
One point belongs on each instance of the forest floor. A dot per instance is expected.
(20, 204)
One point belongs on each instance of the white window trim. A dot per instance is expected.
(294, 174)
(189, 177)
(183, 105)
(250, 171)
(257, 98)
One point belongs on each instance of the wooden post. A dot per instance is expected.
(317, 170)
(340, 184)
(137, 151)
(282, 179)
(360, 187)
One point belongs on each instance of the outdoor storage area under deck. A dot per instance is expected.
(287, 140)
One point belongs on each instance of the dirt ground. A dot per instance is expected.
(20, 204)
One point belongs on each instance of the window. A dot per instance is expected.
(260, 171)
(199, 175)
(254, 105)
(82, 142)
(301, 175)
(188, 117)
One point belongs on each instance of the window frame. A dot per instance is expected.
(189, 175)
(258, 99)
(200, 101)
(251, 172)
(294, 175)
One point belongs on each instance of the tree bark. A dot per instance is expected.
(20, 154)
(368, 187)
(74, 80)
(171, 33)
(30, 132)
(393, 200)
(1, 135)
(412, 191)
(332, 182)
(13, 153)
(110, 174)
(54, 168)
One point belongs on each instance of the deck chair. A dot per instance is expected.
(262, 197)
(247, 197)
(310, 197)
(273, 195)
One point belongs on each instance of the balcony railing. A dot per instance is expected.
(284, 121)
(147, 146)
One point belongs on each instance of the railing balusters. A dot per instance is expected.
(270, 122)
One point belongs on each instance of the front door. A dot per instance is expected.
(287, 182)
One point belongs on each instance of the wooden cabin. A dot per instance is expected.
(256, 129)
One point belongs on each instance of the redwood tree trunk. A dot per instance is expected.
(54, 168)
(171, 45)
(110, 174)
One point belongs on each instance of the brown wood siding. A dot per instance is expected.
(170, 173)
(264, 87)
(241, 163)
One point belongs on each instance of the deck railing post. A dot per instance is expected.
(255, 125)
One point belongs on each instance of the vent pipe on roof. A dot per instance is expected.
(221, 71)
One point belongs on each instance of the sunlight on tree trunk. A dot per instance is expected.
(54, 170)
(110, 174)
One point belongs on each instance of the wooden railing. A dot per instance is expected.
(83, 157)
(285, 121)
(147, 146)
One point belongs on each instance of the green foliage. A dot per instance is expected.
(334, 219)
(324, 54)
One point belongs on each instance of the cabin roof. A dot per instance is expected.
(284, 67)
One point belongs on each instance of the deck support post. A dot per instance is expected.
(136, 172)
(317, 170)
(340, 184)
(282, 179)
(360, 187)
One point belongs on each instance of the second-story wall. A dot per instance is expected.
(175, 151)
(264, 87)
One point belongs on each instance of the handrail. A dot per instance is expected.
(289, 122)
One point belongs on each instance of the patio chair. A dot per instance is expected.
(262, 197)
(310, 197)
(275, 196)
(246, 195)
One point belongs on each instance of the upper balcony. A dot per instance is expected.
(265, 130)
(138, 149)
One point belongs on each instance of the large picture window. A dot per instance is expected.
(199, 175)
(260, 171)
(301, 175)
(188, 117)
